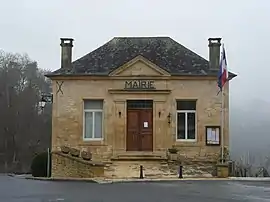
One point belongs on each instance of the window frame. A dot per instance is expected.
(93, 111)
(186, 123)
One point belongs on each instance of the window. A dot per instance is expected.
(186, 120)
(140, 104)
(93, 110)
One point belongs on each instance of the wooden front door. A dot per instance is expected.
(140, 125)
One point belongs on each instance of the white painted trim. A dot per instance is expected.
(176, 128)
(102, 124)
(186, 111)
(92, 139)
(93, 110)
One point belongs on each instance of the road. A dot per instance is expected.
(14, 189)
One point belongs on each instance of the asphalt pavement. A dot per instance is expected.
(14, 189)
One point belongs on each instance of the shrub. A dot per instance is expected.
(39, 165)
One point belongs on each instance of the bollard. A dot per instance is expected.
(141, 172)
(180, 171)
(245, 172)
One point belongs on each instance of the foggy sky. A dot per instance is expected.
(35, 26)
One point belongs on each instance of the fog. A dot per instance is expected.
(249, 129)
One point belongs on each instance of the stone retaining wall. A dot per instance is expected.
(64, 165)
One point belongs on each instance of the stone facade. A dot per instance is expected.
(68, 110)
(138, 73)
(64, 165)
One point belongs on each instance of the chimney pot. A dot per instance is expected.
(66, 53)
(214, 53)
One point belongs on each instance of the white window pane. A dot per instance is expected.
(180, 125)
(191, 125)
(88, 130)
(93, 104)
(98, 125)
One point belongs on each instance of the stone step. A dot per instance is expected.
(138, 158)
(132, 169)
(153, 169)
(138, 155)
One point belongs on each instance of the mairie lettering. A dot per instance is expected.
(139, 84)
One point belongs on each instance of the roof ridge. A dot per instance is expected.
(96, 49)
(189, 50)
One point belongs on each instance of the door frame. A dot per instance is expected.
(139, 109)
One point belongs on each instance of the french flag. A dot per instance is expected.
(223, 70)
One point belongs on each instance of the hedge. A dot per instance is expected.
(39, 165)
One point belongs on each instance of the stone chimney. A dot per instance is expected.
(66, 53)
(214, 53)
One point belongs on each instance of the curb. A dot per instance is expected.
(134, 180)
(61, 179)
(168, 180)
(110, 181)
(261, 179)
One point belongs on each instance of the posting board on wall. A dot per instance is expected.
(212, 134)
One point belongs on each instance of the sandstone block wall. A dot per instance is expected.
(67, 166)
(68, 111)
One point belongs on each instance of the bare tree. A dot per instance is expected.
(23, 130)
(250, 165)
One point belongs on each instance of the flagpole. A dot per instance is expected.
(222, 126)
(222, 112)
(222, 82)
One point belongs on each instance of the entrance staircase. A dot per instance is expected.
(155, 165)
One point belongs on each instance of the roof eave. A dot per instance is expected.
(52, 75)
(106, 74)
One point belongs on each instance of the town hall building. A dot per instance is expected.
(133, 100)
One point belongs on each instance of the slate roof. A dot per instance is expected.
(162, 51)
